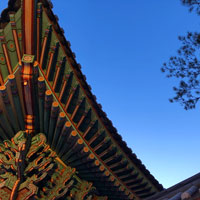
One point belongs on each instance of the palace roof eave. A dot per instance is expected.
(13, 6)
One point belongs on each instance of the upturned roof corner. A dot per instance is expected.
(44, 90)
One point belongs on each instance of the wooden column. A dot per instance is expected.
(28, 15)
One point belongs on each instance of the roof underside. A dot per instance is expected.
(63, 99)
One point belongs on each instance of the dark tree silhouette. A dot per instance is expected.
(186, 65)
(194, 5)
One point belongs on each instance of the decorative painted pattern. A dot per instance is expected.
(29, 169)
(43, 89)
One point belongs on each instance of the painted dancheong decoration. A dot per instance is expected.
(56, 142)
(31, 170)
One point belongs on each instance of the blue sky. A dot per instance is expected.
(121, 45)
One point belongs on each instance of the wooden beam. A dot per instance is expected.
(66, 131)
(15, 36)
(28, 16)
(105, 140)
(41, 95)
(73, 90)
(69, 140)
(16, 100)
(47, 110)
(1, 78)
(95, 136)
(106, 151)
(44, 44)
(89, 128)
(51, 59)
(65, 80)
(9, 109)
(39, 15)
(5, 125)
(5, 51)
(53, 120)
(76, 148)
(80, 101)
(58, 72)
(60, 123)
(82, 118)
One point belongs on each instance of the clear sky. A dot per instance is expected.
(121, 45)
